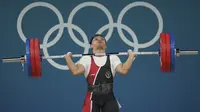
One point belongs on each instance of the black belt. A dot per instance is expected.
(101, 88)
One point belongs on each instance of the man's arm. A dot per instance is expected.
(76, 69)
(124, 68)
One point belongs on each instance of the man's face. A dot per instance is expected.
(98, 43)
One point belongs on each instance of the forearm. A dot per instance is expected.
(128, 63)
(71, 65)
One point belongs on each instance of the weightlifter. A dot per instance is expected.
(99, 72)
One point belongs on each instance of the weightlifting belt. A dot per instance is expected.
(101, 88)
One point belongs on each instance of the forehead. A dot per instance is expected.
(98, 37)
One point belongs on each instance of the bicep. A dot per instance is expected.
(80, 69)
(119, 68)
(116, 64)
(82, 65)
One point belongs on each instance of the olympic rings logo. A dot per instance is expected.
(110, 26)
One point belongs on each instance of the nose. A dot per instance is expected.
(100, 39)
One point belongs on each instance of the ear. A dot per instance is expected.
(91, 46)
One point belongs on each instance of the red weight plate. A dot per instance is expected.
(32, 56)
(37, 58)
(168, 52)
(162, 52)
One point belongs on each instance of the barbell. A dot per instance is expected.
(167, 53)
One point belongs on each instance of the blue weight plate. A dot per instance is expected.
(28, 59)
(173, 54)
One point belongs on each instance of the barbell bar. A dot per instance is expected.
(167, 53)
(23, 58)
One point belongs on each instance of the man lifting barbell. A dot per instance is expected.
(99, 72)
(166, 52)
(100, 67)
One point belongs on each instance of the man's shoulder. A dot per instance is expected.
(114, 56)
(85, 57)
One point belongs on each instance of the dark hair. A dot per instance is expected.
(95, 36)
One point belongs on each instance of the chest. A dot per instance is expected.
(100, 74)
(99, 61)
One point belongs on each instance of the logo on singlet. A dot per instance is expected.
(108, 74)
(92, 74)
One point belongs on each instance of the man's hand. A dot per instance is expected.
(125, 67)
(76, 69)
(131, 54)
(68, 55)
